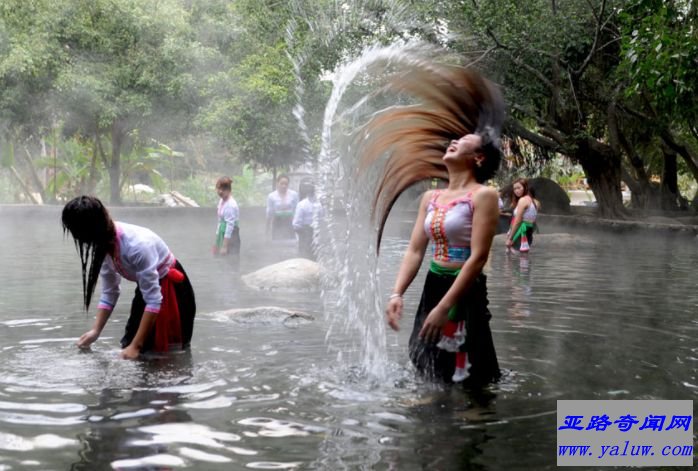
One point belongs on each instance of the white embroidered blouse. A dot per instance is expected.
(307, 211)
(277, 204)
(141, 256)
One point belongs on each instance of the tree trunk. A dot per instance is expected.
(117, 138)
(602, 167)
(25, 187)
(644, 195)
(33, 173)
(92, 178)
(670, 183)
(683, 151)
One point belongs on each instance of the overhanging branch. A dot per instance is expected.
(515, 127)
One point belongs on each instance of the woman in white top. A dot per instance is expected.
(228, 228)
(281, 204)
(308, 212)
(163, 309)
(523, 221)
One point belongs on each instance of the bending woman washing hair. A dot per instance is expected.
(453, 135)
(163, 308)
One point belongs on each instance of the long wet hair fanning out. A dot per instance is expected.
(453, 101)
(94, 234)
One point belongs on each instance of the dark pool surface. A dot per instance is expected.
(612, 319)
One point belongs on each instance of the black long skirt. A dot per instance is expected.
(305, 242)
(438, 364)
(187, 311)
(282, 227)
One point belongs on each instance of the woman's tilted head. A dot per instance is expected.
(306, 189)
(478, 150)
(94, 233)
(282, 183)
(490, 149)
(87, 220)
(520, 188)
(224, 186)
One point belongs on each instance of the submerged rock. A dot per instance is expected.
(296, 274)
(264, 315)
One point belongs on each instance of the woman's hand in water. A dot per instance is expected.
(88, 338)
(394, 312)
(433, 325)
(130, 353)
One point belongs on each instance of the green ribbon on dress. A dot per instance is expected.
(221, 234)
(523, 228)
(446, 271)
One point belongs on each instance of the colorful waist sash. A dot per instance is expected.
(447, 271)
(453, 253)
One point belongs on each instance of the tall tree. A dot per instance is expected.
(126, 61)
(660, 61)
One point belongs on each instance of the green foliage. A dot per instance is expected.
(688, 187)
(251, 109)
(220, 81)
(8, 191)
(122, 57)
(71, 169)
(8, 154)
(154, 155)
(201, 188)
(660, 55)
(247, 188)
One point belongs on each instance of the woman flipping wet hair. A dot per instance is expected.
(163, 309)
(453, 135)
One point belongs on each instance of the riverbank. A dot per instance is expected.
(580, 219)
(586, 219)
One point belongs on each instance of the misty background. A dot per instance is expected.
(100, 96)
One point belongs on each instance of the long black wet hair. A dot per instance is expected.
(94, 234)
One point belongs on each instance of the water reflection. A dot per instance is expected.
(117, 411)
(616, 320)
(519, 267)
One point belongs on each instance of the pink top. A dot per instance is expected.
(450, 226)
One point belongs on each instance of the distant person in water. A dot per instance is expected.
(308, 212)
(451, 339)
(228, 228)
(163, 308)
(281, 204)
(524, 215)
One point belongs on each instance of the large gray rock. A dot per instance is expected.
(263, 315)
(296, 274)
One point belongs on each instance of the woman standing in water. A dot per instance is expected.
(228, 228)
(281, 204)
(163, 309)
(523, 221)
(451, 339)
